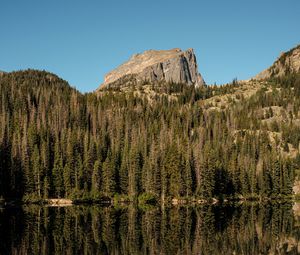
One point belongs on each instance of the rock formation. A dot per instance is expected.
(157, 65)
(287, 62)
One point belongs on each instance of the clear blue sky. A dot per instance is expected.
(82, 40)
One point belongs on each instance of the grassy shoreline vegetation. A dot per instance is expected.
(150, 143)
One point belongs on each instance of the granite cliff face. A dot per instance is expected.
(157, 65)
(287, 62)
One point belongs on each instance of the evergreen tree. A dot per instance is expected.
(57, 173)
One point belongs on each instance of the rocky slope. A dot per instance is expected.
(154, 66)
(287, 62)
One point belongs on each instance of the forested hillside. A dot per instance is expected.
(149, 141)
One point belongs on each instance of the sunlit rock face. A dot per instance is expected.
(154, 66)
(287, 62)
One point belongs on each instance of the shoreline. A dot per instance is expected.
(64, 202)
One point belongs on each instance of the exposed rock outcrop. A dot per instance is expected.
(157, 65)
(287, 62)
(59, 202)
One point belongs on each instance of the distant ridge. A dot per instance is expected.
(287, 62)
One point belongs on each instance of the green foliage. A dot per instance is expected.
(57, 142)
(147, 198)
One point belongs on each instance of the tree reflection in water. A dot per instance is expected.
(209, 229)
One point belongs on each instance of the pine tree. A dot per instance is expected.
(172, 165)
(57, 173)
(96, 178)
(37, 171)
(208, 171)
(276, 177)
(124, 174)
(108, 173)
(134, 171)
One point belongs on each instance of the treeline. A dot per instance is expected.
(57, 142)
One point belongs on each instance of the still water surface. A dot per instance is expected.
(230, 229)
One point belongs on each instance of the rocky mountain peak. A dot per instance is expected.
(287, 62)
(157, 65)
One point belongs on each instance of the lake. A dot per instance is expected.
(205, 229)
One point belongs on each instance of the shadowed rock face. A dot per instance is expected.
(287, 62)
(157, 65)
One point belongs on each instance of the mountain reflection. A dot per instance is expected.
(209, 229)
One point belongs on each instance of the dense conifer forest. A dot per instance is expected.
(57, 142)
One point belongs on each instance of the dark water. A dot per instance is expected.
(239, 229)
